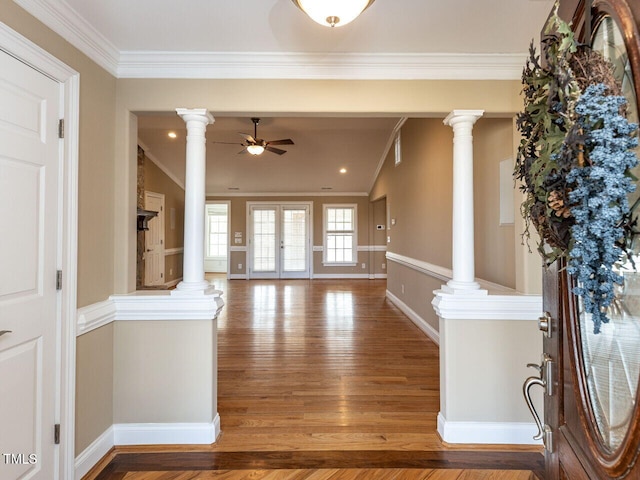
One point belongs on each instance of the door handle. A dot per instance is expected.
(546, 381)
(528, 383)
(2, 332)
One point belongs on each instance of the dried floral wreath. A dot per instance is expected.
(575, 162)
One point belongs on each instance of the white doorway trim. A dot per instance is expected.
(27, 52)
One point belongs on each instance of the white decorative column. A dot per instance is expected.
(197, 120)
(463, 260)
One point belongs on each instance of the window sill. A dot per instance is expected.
(339, 264)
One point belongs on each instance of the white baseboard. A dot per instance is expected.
(146, 434)
(237, 276)
(173, 283)
(94, 453)
(166, 433)
(420, 322)
(510, 433)
(331, 276)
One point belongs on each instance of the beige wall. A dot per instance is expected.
(494, 244)
(165, 371)
(94, 385)
(487, 386)
(419, 192)
(365, 235)
(155, 180)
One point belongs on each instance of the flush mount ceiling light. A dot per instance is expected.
(333, 13)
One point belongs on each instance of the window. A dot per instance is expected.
(340, 241)
(216, 230)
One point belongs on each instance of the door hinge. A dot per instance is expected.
(59, 280)
(56, 434)
(61, 128)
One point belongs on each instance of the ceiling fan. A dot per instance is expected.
(256, 146)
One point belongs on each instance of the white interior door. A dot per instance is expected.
(279, 241)
(154, 241)
(30, 172)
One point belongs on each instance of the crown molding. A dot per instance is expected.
(287, 194)
(320, 66)
(66, 22)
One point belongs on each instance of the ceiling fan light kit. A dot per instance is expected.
(255, 149)
(333, 13)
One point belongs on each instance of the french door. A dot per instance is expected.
(279, 240)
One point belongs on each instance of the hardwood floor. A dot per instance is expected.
(323, 379)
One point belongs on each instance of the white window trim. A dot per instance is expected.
(354, 247)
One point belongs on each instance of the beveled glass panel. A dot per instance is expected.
(612, 357)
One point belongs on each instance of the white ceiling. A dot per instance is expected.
(447, 39)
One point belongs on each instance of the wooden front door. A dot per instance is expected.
(592, 419)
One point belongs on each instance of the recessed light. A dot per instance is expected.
(343, 170)
(172, 135)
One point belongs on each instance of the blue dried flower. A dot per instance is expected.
(599, 198)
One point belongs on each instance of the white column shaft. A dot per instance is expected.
(463, 258)
(194, 198)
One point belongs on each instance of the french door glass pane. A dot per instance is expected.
(294, 240)
(264, 237)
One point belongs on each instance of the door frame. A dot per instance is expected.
(278, 205)
(27, 52)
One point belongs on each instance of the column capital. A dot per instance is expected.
(195, 114)
(458, 116)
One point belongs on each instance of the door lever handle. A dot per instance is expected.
(528, 383)
(2, 332)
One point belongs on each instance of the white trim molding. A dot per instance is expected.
(95, 452)
(442, 273)
(420, 322)
(66, 22)
(325, 65)
(450, 306)
(173, 251)
(167, 433)
(95, 316)
(372, 248)
(511, 433)
(285, 194)
(241, 248)
(330, 276)
(164, 305)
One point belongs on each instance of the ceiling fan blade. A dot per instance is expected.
(275, 150)
(248, 138)
(244, 150)
(285, 141)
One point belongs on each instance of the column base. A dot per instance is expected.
(467, 288)
(194, 288)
